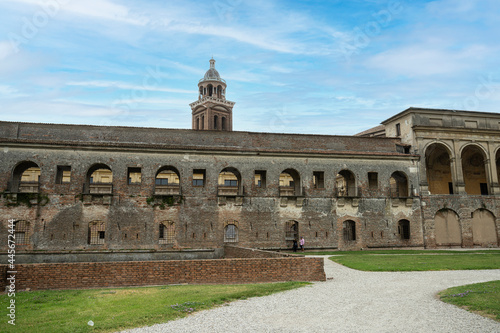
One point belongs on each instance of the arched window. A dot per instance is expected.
(167, 181)
(97, 232)
(292, 230)
(210, 90)
(346, 184)
(290, 183)
(99, 179)
(229, 182)
(202, 122)
(474, 170)
(223, 123)
(216, 122)
(349, 230)
(404, 229)
(437, 164)
(399, 185)
(197, 123)
(166, 232)
(26, 178)
(21, 232)
(219, 91)
(231, 232)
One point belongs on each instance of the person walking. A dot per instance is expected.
(301, 243)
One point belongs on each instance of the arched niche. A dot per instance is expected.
(399, 185)
(99, 179)
(26, 177)
(484, 231)
(474, 170)
(167, 181)
(345, 182)
(447, 228)
(438, 168)
(289, 183)
(229, 182)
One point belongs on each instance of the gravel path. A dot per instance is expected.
(350, 301)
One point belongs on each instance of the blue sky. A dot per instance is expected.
(322, 67)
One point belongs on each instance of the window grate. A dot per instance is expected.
(22, 232)
(231, 234)
(97, 233)
(292, 230)
(166, 232)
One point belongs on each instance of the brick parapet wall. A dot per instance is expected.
(244, 252)
(143, 273)
(136, 137)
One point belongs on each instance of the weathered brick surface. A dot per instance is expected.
(132, 219)
(464, 206)
(135, 137)
(132, 223)
(142, 273)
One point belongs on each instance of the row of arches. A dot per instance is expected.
(470, 169)
(99, 179)
(213, 91)
(219, 122)
(448, 228)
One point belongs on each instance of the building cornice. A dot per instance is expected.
(212, 100)
(464, 113)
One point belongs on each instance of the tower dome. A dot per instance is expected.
(212, 73)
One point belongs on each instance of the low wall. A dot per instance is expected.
(39, 257)
(142, 273)
(231, 251)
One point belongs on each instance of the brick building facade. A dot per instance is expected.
(427, 178)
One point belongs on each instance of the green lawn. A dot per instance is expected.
(463, 260)
(331, 253)
(482, 298)
(116, 309)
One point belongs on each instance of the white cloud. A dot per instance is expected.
(100, 9)
(423, 60)
(157, 101)
(7, 90)
(256, 38)
(150, 85)
(6, 50)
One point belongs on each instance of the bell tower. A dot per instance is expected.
(212, 111)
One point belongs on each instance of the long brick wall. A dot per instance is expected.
(142, 273)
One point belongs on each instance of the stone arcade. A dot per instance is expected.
(424, 178)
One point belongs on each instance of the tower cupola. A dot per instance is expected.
(212, 111)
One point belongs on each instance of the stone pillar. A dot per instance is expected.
(491, 169)
(456, 165)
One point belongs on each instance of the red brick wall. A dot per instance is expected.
(141, 273)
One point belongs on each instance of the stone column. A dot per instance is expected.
(422, 171)
(491, 169)
(456, 165)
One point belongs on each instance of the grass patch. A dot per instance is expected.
(481, 298)
(333, 253)
(418, 262)
(121, 308)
